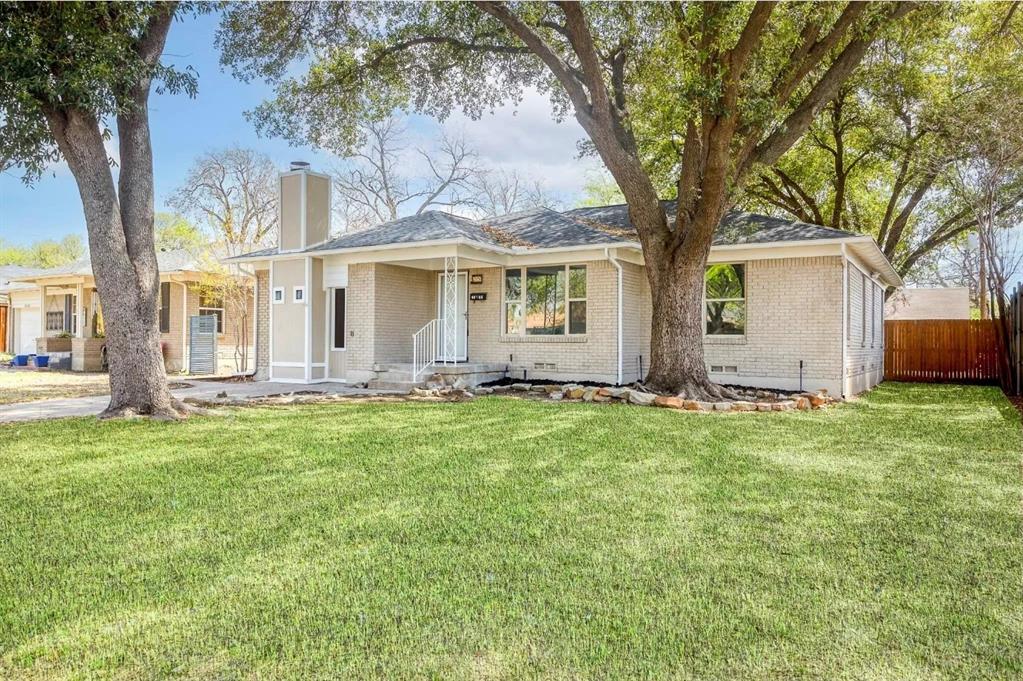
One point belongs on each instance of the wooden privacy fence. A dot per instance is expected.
(1013, 333)
(942, 351)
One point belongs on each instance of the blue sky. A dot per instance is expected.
(523, 138)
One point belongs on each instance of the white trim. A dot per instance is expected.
(845, 315)
(80, 311)
(300, 289)
(308, 342)
(440, 309)
(618, 266)
(270, 331)
(523, 269)
(331, 293)
(273, 295)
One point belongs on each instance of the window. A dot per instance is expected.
(70, 313)
(278, 295)
(725, 295)
(165, 307)
(299, 294)
(210, 305)
(55, 321)
(545, 301)
(863, 309)
(338, 342)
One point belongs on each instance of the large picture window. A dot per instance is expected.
(209, 305)
(545, 301)
(725, 295)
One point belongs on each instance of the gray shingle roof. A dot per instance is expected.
(546, 228)
(735, 228)
(168, 261)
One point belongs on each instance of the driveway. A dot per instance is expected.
(90, 406)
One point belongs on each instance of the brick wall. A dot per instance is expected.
(262, 324)
(592, 356)
(793, 313)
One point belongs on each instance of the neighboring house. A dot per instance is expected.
(7, 311)
(64, 300)
(928, 303)
(562, 296)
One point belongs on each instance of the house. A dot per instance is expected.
(553, 295)
(928, 303)
(57, 311)
(8, 275)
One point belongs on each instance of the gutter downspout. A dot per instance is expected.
(618, 266)
(845, 314)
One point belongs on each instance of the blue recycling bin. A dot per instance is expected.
(42, 361)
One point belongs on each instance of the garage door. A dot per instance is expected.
(26, 330)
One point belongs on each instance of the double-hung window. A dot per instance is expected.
(210, 305)
(545, 301)
(725, 296)
(165, 307)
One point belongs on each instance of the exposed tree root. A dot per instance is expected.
(702, 391)
(176, 411)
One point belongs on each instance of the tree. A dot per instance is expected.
(234, 192)
(600, 190)
(373, 186)
(67, 70)
(877, 161)
(689, 95)
(174, 232)
(490, 193)
(46, 253)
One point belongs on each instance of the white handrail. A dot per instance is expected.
(424, 348)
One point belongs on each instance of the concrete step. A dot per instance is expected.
(399, 376)
(404, 386)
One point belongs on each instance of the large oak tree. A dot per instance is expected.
(67, 71)
(687, 95)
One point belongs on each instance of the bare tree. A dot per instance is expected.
(234, 192)
(498, 192)
(373, 186)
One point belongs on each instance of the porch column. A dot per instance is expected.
(79, 311)
(42, 310)
(450, 308)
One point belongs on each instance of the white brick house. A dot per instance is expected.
(562, 296)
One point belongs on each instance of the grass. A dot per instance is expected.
(512, 539)
(28, 385)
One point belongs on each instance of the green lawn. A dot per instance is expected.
(512, 539)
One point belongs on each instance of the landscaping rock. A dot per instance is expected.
(576, 393)
(763, 406)
(817, 401)
(421, 392)
(484, 391)
(551, 389)
(642, 399)
(461, 384)
(597, 397)
(697, 405)
(669, 402)
(500, 388)
(619, 393)
(538, 388)
(556, 396)
(784, 405)
(741, 405)
(722, 406)
(520, 386)
(589, 394)
(802, 403)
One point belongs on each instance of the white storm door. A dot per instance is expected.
(462, 317)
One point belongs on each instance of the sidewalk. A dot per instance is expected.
(90, 406)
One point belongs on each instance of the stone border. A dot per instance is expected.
(760, 400)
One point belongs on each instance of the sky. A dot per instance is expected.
(524, 138)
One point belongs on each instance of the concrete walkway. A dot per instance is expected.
(90, 406)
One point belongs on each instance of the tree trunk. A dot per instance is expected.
(676, 278)
(128, 285)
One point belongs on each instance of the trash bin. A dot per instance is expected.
(42, 361)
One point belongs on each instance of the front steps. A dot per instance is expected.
(398, 375)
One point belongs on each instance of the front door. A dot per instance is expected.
(461, 317)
